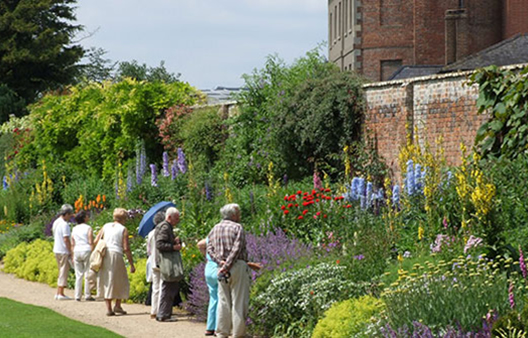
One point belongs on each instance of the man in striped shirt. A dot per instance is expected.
(227, 247)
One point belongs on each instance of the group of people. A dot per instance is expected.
(227, 271)
(75, 248)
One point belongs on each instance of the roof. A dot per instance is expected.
(406, 72)
(221, 94)
(507, 52)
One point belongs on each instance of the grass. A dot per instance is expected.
(22, 320)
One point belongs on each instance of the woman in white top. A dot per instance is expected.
(82, 246)
(113, 279)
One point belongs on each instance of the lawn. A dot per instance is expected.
(22, 320)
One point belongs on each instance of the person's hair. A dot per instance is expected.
(80, 217)
(159, 217)
(171, 211)
(229, 211)
(120, 215)
(65, 209)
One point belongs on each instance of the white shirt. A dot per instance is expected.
(152, 252)
(113, 236)
(61, 229)
(80, 234)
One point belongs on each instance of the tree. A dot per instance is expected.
(97, 68)
(144, 73)
(36, 48)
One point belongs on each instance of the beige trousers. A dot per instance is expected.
(64, 269)
(156, 289)
(81, 262)
(233, 301)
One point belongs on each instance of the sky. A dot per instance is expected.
(210, 42)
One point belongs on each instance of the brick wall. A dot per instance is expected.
(515, 15)
(438, 106)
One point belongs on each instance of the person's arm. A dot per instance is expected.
(72, 245)
(126, 249)
(90, 239)
(99, 236)
(67, 242)
(202, 246)
(240, 241)
(254, 266)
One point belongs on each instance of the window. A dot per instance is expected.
(345, 21)
(335, 22)
(340, 22)
(389, 67)
(330, 31)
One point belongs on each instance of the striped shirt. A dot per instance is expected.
(227, 242)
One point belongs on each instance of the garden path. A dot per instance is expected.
(136, 324)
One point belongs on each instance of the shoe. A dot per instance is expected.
(62, 297)
(56, 297)
(165, 319)
(120, 311)
(152, 316)
(89, 299)
(78, 299)
(209, 333)
(111, 313)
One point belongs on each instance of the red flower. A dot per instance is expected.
(349, 206)
(313, 192)
(300, 217)
(327, 190)
(296, 204)
(299, 192)
(318, 213)
(285, 198)
(317, 200)
(305, 212)
(290, 205)
(315, 217)
(286, 211)
(325, 216)
(311, 292)
(337, 262)
(283, 207)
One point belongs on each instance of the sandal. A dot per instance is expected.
(111, 313)
(120, 311)
(209, 333)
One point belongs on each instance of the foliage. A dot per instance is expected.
(100, 124)
(37, 51)
(96, 68)
(10, 103)
(457, 293)
(254, 133)
(308, 292)
(316, 120)
(12, 234)
(510, 323)
(138, 282)
(348, 318)
(141, 72)
(33, 261)
(504, 94)
(24, 320)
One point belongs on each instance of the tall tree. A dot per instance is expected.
(36, 48)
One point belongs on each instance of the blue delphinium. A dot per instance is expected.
(130, 179)
(4, 183)
(368, 194)
(154, 175)
(166, 164)
(182, 164)
(409, 178)
(396, 191)
(208, 192)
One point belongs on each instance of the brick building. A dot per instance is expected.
(377, 37)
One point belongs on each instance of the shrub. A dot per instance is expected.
(33, 261)
(138, 282)
(294, 300)
(20, 233)
(348, 318)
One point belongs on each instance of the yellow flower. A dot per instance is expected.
(420, 233)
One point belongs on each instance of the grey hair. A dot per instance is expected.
(65, 209)
(171, 211)
(159, 217)
(229, 211)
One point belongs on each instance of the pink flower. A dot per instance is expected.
(522, 263)
(510, 296)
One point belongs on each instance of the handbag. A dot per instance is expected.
(171, 266)
(96, 258)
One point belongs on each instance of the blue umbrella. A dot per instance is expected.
(147, 222)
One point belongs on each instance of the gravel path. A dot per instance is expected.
(136, 323)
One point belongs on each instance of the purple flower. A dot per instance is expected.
(182, 164)
(359, 257)
(174, 169)
(130, 179)
(472, 243)
(444, 222)
(285, 180)
(5, 184)
(510, 296)
(409, 178)
(407, 254)
(141, 163)
(396, 196)
(317, 181)
(165, 164)
(521, 262)
(208, 192)
(154, 175)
